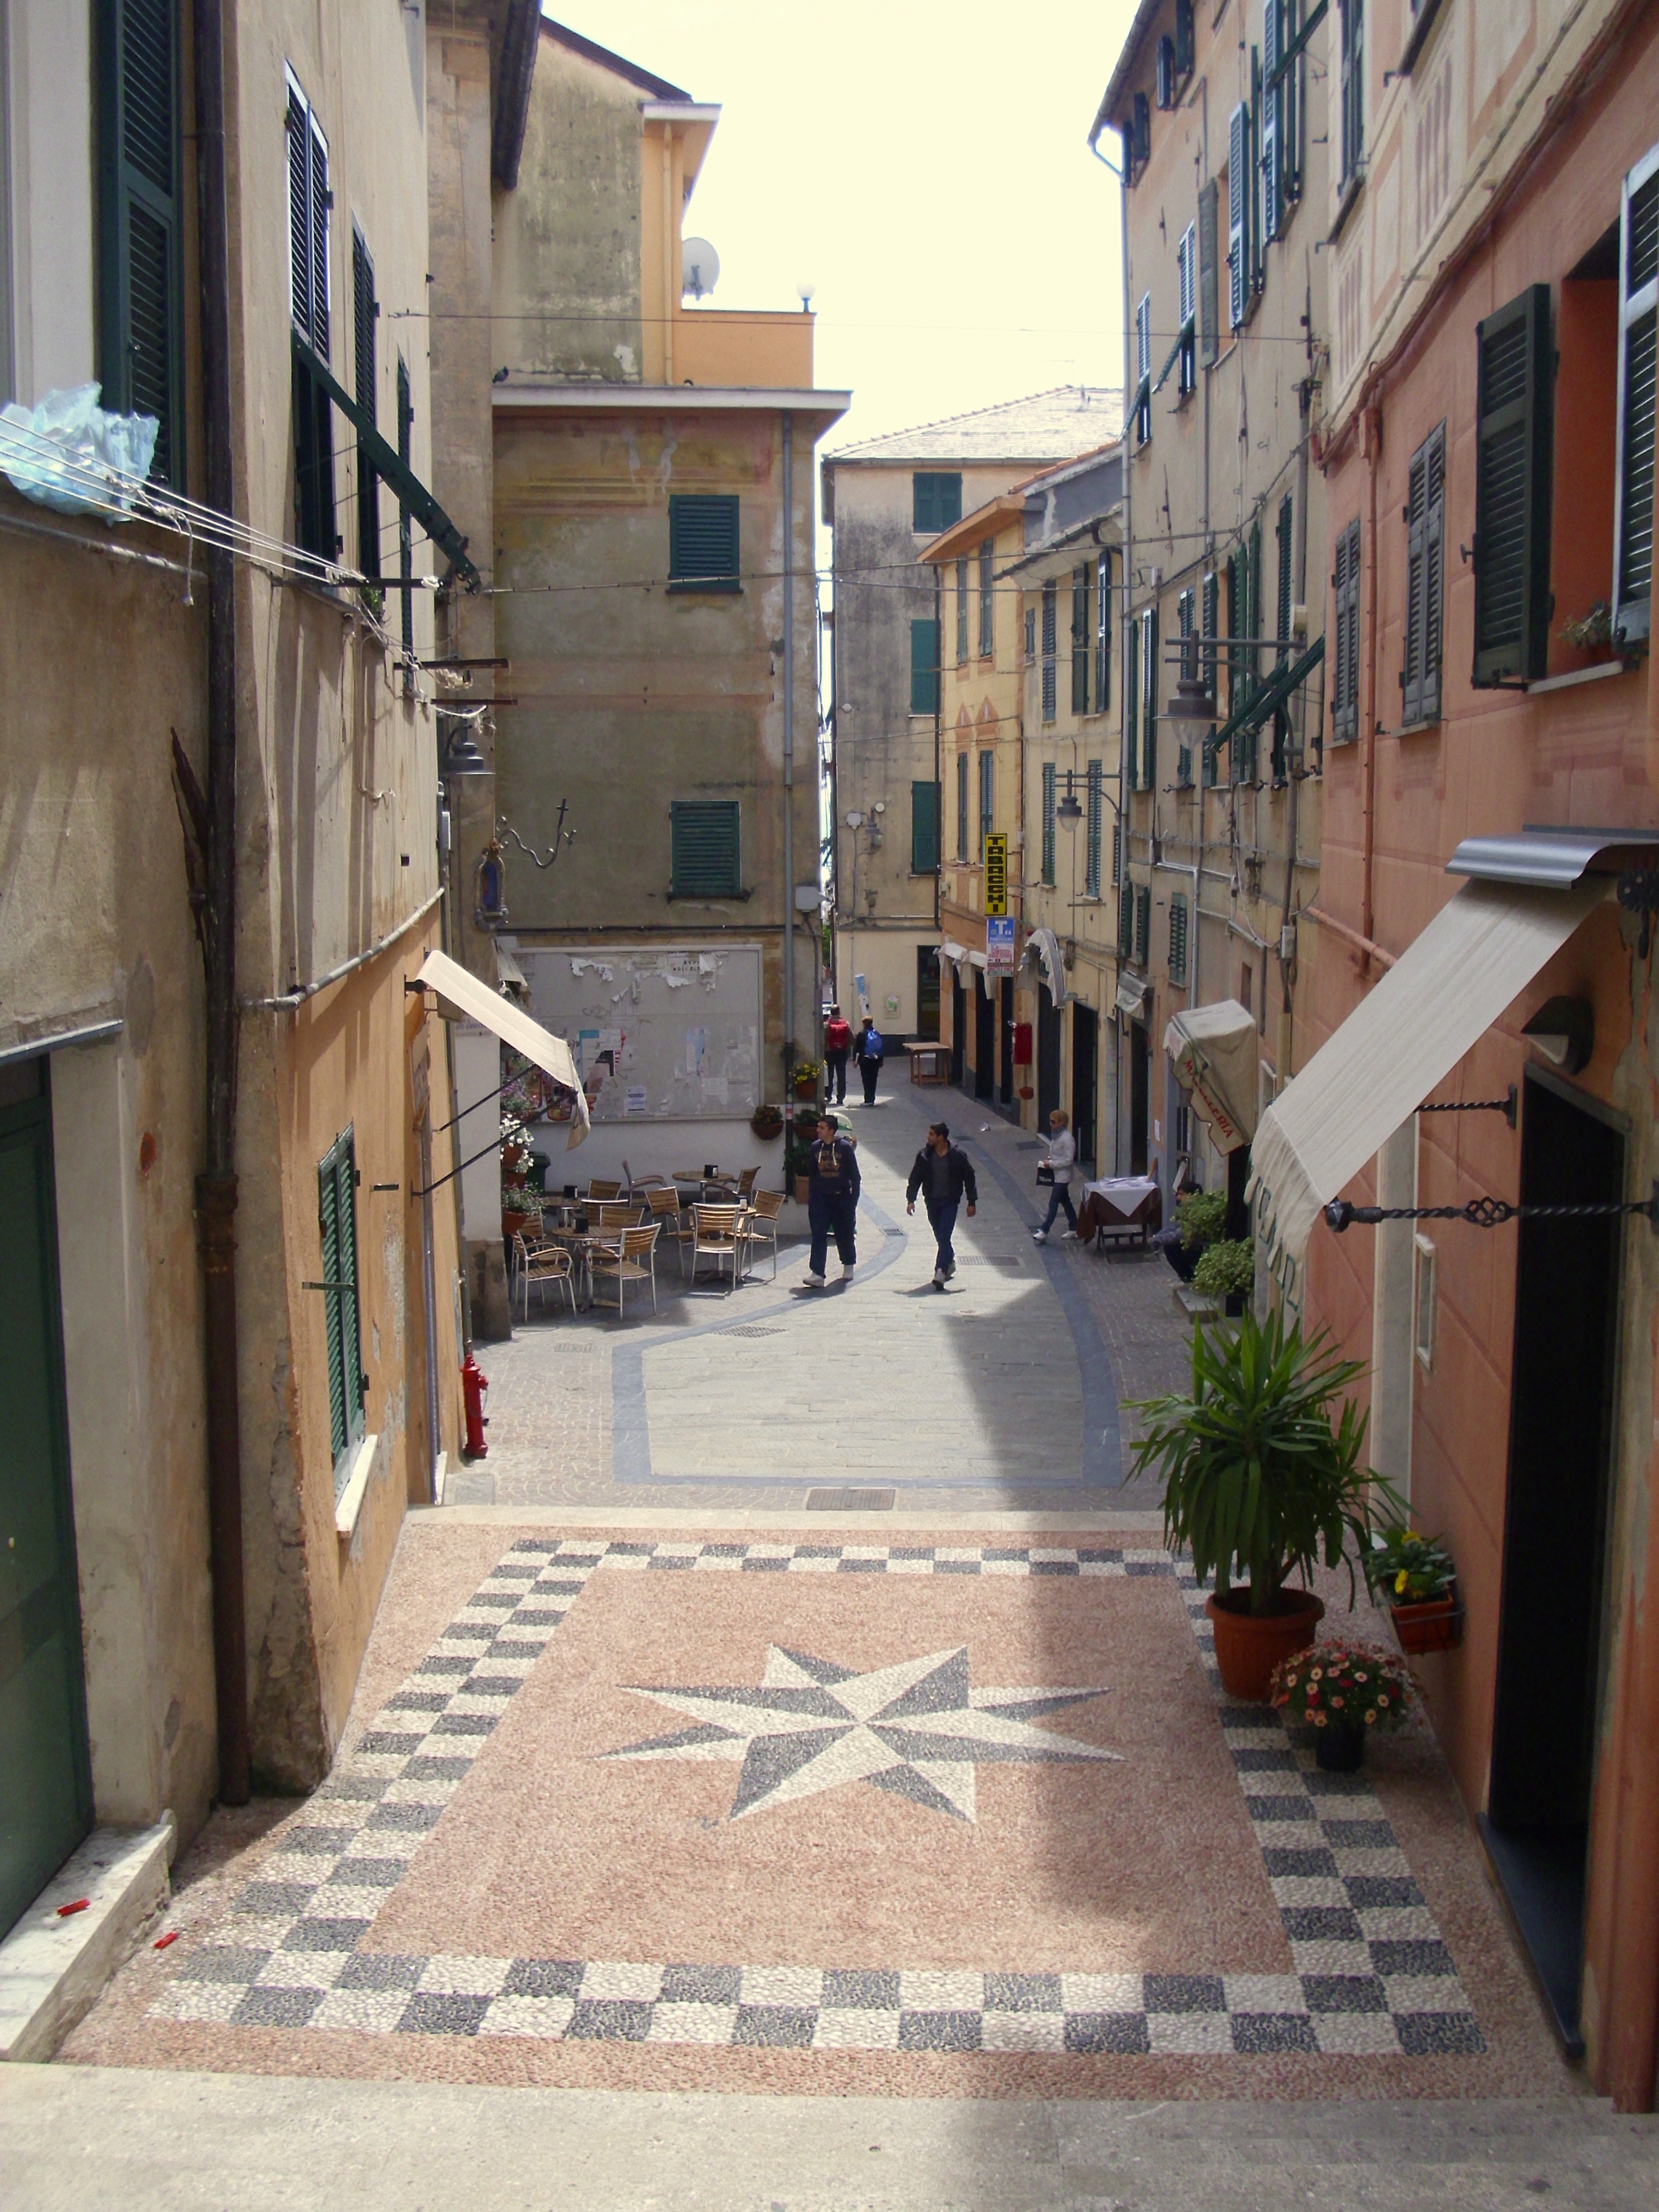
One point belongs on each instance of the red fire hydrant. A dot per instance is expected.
(474, 1383)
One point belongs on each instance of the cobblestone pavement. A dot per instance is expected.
(1009, 1390)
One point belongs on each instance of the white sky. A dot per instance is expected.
(926, 168)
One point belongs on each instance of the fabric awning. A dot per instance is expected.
(1041, 952)
(964, 958)
(477, 1002)
(1131, 996)
(1444, 992)
(1214, 1051)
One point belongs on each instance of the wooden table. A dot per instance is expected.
(1120, 1207)
(929, 1063)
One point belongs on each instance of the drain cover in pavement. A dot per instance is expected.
(850, 1501)
(754, 1329)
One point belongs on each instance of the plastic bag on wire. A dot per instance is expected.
(67, 453)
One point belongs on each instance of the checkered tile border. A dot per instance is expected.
(1372, 1976)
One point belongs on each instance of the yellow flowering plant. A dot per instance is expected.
(1353, 1686)
(1406, 1568)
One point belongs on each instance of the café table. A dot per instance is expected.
(1120, 1207)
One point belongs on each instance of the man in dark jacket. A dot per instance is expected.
(837, 1043)
(832, 1201)
(942, 1173)
(870, 1052)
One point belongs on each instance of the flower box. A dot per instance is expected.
(1436, 1625)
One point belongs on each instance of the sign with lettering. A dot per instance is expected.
(999, 944)
(996, 871)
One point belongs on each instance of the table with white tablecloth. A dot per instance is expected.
(1120, 1206)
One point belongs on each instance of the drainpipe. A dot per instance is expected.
(669, 272)
(788, 777)
(1373, 428)
(216, 1188)
(1299, 726)
(1126, 618)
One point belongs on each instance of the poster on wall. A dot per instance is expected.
(672, 1035)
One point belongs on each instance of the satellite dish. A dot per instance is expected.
(700, 268)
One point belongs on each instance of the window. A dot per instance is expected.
(924, 828)
(961, 807)
(1209, 294)
(924, 667)
(1638, 345)
(1243, 603)
(988, 635)
(1423, 1304)
(1117, 851)
(1148, 657)
(1080, 641)
(1238, 216)
(1139, 148)
(1093, 822)
(1353, 88)
(1514, 457)
(1166, 72)
(1143, 924)
(1177, 939)
(309, 201)
(1209, 626)
(702, 542)
(1048, 822)
(1272, 121)
(1132, 709)
(1126, 921)
(141, 264)
(337, 1221)
(1050, 647)
(1187, 275)
(1186, 44)
(935, 500)
(1186, 614)
(703, 835)
(1425, 521)
(1031, 636)
(1103, 633)
(987, 798)
(961, 610)
(1344, 622)
(1143, 403)
(1282, 614)
(365, 307)
(405, 539)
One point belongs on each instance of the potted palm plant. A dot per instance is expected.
(1260, 1483)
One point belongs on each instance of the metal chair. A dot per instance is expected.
(598, 1190)
(615, 1214)
(746, 1182)
(717, 1231)
(620, 1263)
(761, 1221)
(664, 1204)
(538, 1265)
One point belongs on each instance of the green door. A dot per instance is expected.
(45, 1785)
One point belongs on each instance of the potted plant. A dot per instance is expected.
(520, 1207)
(1342, 1691)
(798, 1159)
(1226, 1270)
(1260, 1483)
(767, 1121)
(1413, 1575)
(805, 1076)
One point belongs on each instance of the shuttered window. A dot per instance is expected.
(1143, 403)
(1050, 647)
(1286, 558)
(1187, 619)
(1117, 851)
(924, 828)
(405, 535)
(1165, 74)
(1048, 822)
(987, 798)
(1143, 924)
(1148, 654)
(1513, 461)
(1209, 625)
(704, 844)
(1187, 287)
(1103, 633)
(1352, 86)
(924, 667)
(1638, 355)
(1238, 216)
(1097, 798)
(1080, 641)
(1126, 920)
(337, 1221)
(961, 610)
(1425, 522)
(1345, 624)
(1209, 297)
(702, 542)
(1177, 939)
(935, 500)
(988, 635)
(1273, 120)
(961, 807)
(1131, 708)
(365, 307)
(309, 201)
(141, 269)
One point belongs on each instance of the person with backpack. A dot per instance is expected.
(943, 1173)
(832, 1201)
(837, 1043)
(870, 1054)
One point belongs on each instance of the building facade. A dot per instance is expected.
(1487, 891)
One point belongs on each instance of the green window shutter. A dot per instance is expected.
(1273, 205)
(329, 1228)
(1177, 939)
(1149, 699)
(405, 534)
(1126, 920)
(140, 268)
(1091, 866)
(935, 500)
(961, 807)
(703, 839)
(1048, 822)
(1050, 647)
(1514, 457)
(1639, 359)
(702, 542)
(1080, 641)
(1345, 624)
(924, 667)
(1238, 216)
(986, 598)
(1352, 77)
(924, 828)
(365, 309)
(961, 610)
(1209, 290)
(1131, 708)
(1143, 923)
(1419, 680)
(1103, 635)
(337, 1217)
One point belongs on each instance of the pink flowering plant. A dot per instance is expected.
(1343, 1685)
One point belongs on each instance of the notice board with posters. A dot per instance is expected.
(670, 1034)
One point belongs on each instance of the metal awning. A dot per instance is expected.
(1554, 859)
(392, 469)
(1449, 986)
(473, 1000)
(1041, 952)
(1214, 1051)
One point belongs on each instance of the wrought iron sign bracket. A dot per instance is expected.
(1506, 1106)
(1491, 1212)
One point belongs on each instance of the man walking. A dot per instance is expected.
(837, 1043)
(942, 1172)
(1062, 1150)
(832, 1201)
(870, 1052)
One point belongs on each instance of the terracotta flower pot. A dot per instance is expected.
(515, 1224)
(1436, 1625)
(1337, 1749)
(807, 1086)
(1248, 1646)
(803, 1187)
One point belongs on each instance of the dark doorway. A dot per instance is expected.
(928, 992)
(1047, 1048)
(1561, 1403)
(984, 1037)
(1086, 1063)
(1005, 1088)
(1140, 1066)
(43, 1724)
(958, 1029)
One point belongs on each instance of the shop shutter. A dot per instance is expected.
(704, 841)
(1238, 216)
(1425, 562)
(141, 272)
(1638, 356)
(1513, 462)
(924, 828)
(703, 541)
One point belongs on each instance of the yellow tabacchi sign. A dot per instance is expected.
(996, 871)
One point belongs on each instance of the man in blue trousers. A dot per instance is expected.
(832, 1201)
(943, 1174)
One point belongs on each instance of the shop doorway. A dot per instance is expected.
(1086, 1064)
(1048, 1045)
(47, 1780)
(984, 1037)
(927, 993)
(1005, 994)
(1549, 1635)
(958, 1029)
(1141, 1078)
